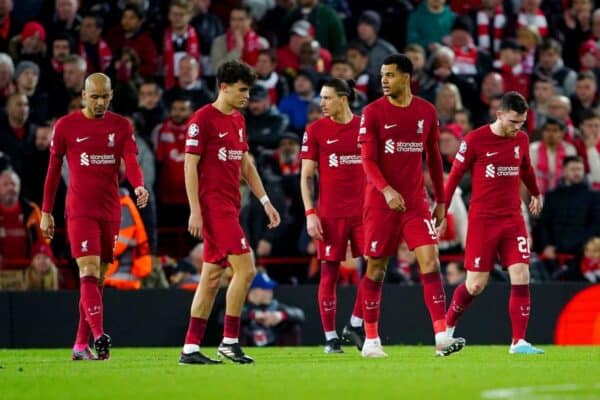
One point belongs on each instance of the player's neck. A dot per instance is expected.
(223, 106)
(402, 99)
(496, 129)
(343, 117)
(88, 114)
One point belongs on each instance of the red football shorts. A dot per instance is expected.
(489, 238)
(92, 237)
(385, 230)
(337, 232)
(223, 236)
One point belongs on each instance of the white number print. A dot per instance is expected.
(523, 244)
(430, 228)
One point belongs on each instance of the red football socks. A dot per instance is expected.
(231, 327)
(371, 298)
(327, 294)
(461, 299)
(435, 300)
(519, 308)
(195, 332)
(92, 304)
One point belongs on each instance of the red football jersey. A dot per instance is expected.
(400, 136)
(94, 148)
(170, 153)
(497, 165)
(220, 141)
(341, 177)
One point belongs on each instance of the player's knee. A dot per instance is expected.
(476, 288)
(519, 274)
(378, 275)
(248, 274)
(430, 265)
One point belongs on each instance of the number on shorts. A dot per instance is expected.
(523, 244)
(430, 227)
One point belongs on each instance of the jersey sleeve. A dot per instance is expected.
(434, 158)
(244, 137)
(367, 137)
(310, 145)
(464, 159)
(130, 147)
(527, 172)
(368, 127)
(58, 144)
(196, 136)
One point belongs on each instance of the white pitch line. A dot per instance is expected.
(526, 392)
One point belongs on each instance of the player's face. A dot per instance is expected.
(393, 81)
(511, 122)
(97, 98)
(331, 104)
(237, 94)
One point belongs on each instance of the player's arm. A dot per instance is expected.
(462, 162)
(307, 187)
(528, 177)
(370, 161)
(57, 151)
(132, 167)
(190, 168)
(434, 162)
(250, 175)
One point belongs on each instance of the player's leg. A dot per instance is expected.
(463, 297)
(370, 288)
(202, 304)
(243, 274)
(354, 331)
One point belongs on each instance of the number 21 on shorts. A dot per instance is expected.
(523, 246)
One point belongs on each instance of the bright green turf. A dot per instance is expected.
(410, 372)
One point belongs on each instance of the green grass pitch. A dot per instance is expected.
(410, 372)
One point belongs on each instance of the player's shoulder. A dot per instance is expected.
(523, 137)
(203, 111)
(374, 105)
(317, 126)
(423, 104)
(116, 119)
(477, 135)
(69, 118)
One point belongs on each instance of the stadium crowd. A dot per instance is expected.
(162, 56)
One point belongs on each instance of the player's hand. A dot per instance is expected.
(394, 199)
(195, 225)
(439, 214)
(535, 205)
(313, 227)
(441, 228)
(142, 196)
(274, 218)
(47, 225)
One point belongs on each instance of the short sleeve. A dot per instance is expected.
(130, 147)
(310, 145)
(57, 143)
(196, 134)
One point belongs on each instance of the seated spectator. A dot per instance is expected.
(342, 69)
(403, 268)
(492, 86)
(36, 167)
(464, 118)
(295, 105)
(264, 122)
(589, 57)
(151, 110)
(585, 97)
(429, 23)
(289, 56)
(265, 321)
(125, 74)
(267, 77)
(18, 133)
(559, 107)
(470, 62)
(132, 260)
(548, 155)
(451, 136)
(310, 58)
(186, 272)
(571, 214)
(52, 68)
(65, 19)
(19, 223)
(239, 42)
(447, 102)
(30, 45)
(551, 65)
(190, 84)
(590, 264)
(27, 77)
(455, 273)
(529, 38)
(439, 70)
(367, 29)
(590, 132)
(42, 274)
(208, 26)
(92, 47)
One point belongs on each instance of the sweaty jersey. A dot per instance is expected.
(341, 177)
(94, 148)
(497, 166)
(395, 139)
(220, 141)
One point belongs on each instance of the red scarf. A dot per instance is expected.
(286, 168)
(490, 42)
(270, 84)
(104, 56)
(538, 20)
(465, 61)
(589, 265)
(543, 167)
(252, 45)
(58, 67)
(192, 47)
(5, 28)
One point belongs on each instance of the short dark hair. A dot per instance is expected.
(269, 53)
(245, 8)
(402, 62)
(138, 11)
(583, 75)
(514, 101)
(233, 71)
(570, 159)
(98, 20)
(340, 60)
(551, 44)
(181, 98)
(342, 88)
(358, 46)
(588, 114)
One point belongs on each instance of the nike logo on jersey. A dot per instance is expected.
(386, 126)
(222, 135)
(81, 139)
(488, 154)
(332, 141)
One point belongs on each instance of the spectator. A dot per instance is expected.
(329, 31)
(74, 72)
(589, 58)
(342, 69)
(532, 15)
(543, 91)
(576, 27)
(429, 23)
(529, 39)
(208, 27)
(65, 19)
(240, 42)
(179, 39)
(310, 57)
(470, 63)
(186, 272)
(510, 66)
(455, 273)
(559, 107)
(124, 72)
(492, 26)
(17, 133)
(7, 70)
(590, 264)
(590, 132)
(464, 119)
(289, 56)
(585, 97)
(92, 47)
(27, 77)
(52, 74)
(131, 33)
(30, 44)
(34, 170)
(548, 154)
(267, 77)
(19, 223)
(170, 154)
(369, 24)
(9, 26)
(367, 83)
(151, 110)
(552, 66)
(447, 102)
(273, 24)
(42, 274)
(264, 123)
(132, 253)
(571, 213)
(295, 105)
(190, 84)
(265, 321)
(450, 138)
